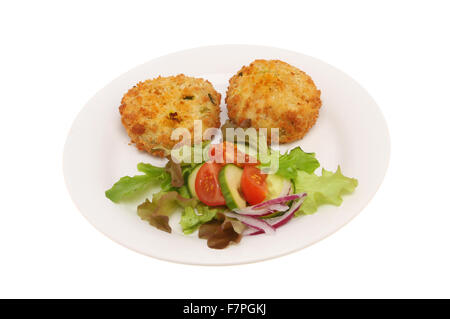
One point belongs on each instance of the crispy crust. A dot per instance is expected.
(274, 94)
(152, 109)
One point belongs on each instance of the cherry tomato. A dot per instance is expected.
(228, 153)
(253, 185)
(207, 185)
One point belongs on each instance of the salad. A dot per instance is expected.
(226, 199)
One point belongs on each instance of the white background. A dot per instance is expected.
(56, 55)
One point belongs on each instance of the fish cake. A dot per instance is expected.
(274, 94)
(152, 109)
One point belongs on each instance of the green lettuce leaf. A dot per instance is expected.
(163, 204)
(158, 175)
(325, 189)
(184, 191)
(152, 171)
(297, 160)
(290, 163)
(191, 220)
(128, 186)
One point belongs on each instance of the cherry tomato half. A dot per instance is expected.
(253, 185)
(207, 185)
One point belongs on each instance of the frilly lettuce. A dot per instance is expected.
(297, 160)
(191, 220)
(162, 205)
(290, 163)
(325, 189)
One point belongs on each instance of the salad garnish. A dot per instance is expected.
(225, 199)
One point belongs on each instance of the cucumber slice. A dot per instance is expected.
(278, 186)
(230, 182)
(191, 181)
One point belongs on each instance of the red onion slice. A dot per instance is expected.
(256, 223)
(279, 200)
(248, 211)
(280, 221)
(268, 207)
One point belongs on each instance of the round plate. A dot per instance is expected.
(350, 132)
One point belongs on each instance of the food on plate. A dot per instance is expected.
(278, 186)
(152, 109)
(226, 200)
(273, 94)
(207, 187)
(163, 205)
(221, 231)
(191, 181)
(230, 178)
(276, 222)
(235, 191)
(128, 186)
(327, 188)
(253, 185)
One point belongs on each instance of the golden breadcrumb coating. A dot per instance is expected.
(274, 94)
(152, 109)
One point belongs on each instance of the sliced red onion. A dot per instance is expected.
(268, 207)
(248, 211)
(256, 223)
(249, 231)
(279, 200)
(281, 220)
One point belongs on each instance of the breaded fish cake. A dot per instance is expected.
(274, 94)
(152, 109)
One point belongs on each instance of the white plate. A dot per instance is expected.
(350, 131)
